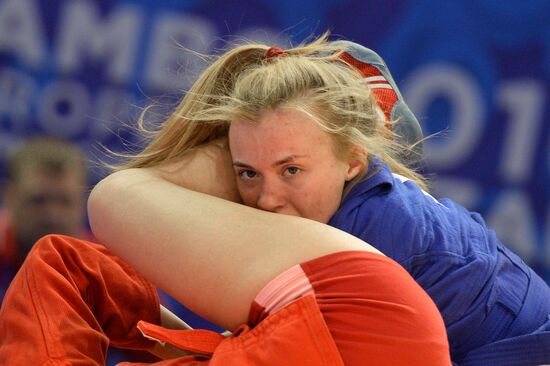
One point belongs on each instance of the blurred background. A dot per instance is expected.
(476, 73)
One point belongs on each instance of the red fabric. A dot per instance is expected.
(367, 310)
(70, 298)
(197, 340)
(385, 98)
(275, 52)
(294, 335)
(9, 253)
(365, 69)
(376, 311)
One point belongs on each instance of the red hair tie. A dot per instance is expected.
(275, 52)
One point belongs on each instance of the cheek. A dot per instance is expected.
(332, 199)
(332, 194)
(248, 194)
(320, 197)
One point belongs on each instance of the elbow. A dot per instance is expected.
(102, 202)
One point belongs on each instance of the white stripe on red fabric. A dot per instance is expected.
(284, 288)
(380, 86)
(370, 79)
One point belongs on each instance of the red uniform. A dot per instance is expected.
(72, 297)
(11, 256)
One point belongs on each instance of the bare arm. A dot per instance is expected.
(208, 169)
(210, 254)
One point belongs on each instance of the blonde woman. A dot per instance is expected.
(307, 139)
(496, 309)
(293, 290)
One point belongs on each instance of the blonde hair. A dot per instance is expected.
(311, 78)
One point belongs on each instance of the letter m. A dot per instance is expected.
(83, 37)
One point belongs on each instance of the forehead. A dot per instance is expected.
(278, 128)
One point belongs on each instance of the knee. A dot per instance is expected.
(55, 246)
(51, 242)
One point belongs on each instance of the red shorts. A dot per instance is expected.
(352, 308)
(71, 298)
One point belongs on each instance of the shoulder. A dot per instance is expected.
(389, 212)
(395, 215)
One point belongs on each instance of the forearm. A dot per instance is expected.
(200, 248)
(163, 230)
(136, 209)
(117, 206)
(207, 169)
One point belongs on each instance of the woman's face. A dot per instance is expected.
(285, 163)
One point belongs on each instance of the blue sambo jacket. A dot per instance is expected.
(494, 306)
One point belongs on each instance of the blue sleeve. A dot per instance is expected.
(479, 286)
(442, 248)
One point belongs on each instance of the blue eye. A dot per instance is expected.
(247, 174)
(292, 170)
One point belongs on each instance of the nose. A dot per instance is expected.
(271, 197)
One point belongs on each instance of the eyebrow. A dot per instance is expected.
(282, 161)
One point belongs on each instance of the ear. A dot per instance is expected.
(357, 162)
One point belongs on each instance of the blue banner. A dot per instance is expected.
(476, 73)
